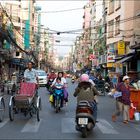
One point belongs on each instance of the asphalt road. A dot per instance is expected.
(62, 125)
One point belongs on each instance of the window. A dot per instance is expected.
(17, 53)
(110, 28)
(118, 4)
(18, 19)
(117, 25)
(111, 6)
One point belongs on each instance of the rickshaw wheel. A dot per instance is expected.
(38, 107)
(11, 111)
(37, 113)
(2, 109)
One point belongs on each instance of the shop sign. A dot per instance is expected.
(111, 49)
(16, 61)
(92, 56)
(111, 58)
(121, 48)
(109, 65)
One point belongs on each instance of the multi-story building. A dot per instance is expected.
(29, 13)
(86, 43)
(122, 25)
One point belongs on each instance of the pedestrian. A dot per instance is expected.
(123, 102)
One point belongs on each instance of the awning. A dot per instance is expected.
(125, 59)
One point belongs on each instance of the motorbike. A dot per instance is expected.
(85, 121)
(49, 84)
(107, 87)
(58, 98)
(72, 80)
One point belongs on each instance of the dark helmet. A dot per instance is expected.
(61, 73)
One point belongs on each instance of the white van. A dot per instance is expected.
(42, 76)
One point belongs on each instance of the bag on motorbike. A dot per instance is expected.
(65, 93)
(51, 98)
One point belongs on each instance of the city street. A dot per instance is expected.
(62, 125)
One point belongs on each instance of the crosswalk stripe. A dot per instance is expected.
(105, 127)
(68, 125)
(135, 125)
(4, 122)
(31, 126)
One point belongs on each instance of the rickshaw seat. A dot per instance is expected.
(27, 89)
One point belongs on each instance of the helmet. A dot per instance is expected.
(52, 71)
(125, 77)
(84, 77)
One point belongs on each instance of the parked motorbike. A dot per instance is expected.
(85, 121)
(58, 98)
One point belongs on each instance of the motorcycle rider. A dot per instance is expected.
(86, 91)
(63, 80)
(52, 76)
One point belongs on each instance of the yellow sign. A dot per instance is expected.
(109, 65)
(121, 48)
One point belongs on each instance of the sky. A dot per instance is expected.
(63, 21)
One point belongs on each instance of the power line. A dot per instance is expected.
(124, 20)
(64, 10)
(75, 31)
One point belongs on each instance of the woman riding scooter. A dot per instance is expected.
(90, 93)
(86, 112)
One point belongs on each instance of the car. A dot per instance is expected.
(42, 76)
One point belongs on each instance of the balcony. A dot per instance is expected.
(111, 7)
(118, 5)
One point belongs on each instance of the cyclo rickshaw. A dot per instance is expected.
(26, 101)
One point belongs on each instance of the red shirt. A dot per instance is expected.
(52, 76)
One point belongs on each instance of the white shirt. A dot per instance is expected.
(31, 75)
(63, 81)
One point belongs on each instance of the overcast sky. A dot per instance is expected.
(63, 21)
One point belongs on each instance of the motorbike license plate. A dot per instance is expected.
(83, 121)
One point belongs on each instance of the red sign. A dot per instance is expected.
(92, 56)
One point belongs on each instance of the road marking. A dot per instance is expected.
(31, 126)
(4, 122)
(136, 125)
(105, 127)
(68, 125)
